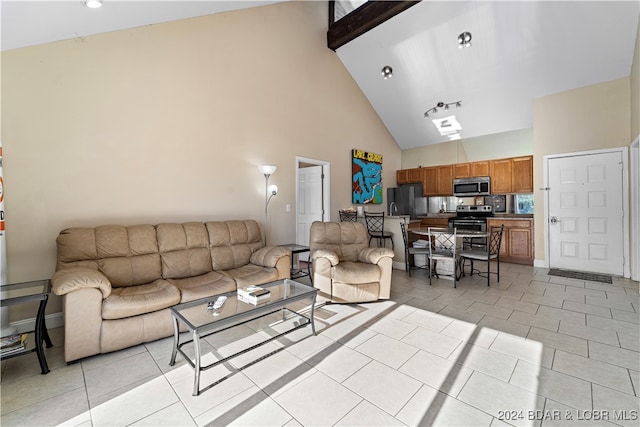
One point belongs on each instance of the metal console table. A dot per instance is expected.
(20, 293)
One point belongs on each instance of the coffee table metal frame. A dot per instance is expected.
(201, 322)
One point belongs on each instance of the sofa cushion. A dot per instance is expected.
(206, 285)
(184, 249)
(251, 274)
(233, 242)
(356, 272)
(133, 300)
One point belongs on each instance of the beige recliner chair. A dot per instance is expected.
(345, 268)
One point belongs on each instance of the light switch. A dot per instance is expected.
(287, 207)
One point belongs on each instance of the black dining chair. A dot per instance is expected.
(375, 227)
(492, 253)
(408, 250)
(443, 250)
(348, 216)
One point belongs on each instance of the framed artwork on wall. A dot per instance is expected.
(366, 177)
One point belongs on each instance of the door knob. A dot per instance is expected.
(554, 220)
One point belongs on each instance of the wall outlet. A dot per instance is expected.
(287, 207)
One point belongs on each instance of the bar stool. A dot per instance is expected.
(375, 227)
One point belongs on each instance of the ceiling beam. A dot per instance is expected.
(366, 17)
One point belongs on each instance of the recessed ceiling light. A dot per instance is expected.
(464, 40)
(386, 72)
(93, 4)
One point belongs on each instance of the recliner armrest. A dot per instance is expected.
(329, 255)
(374, 255)
(268, 256)
(70, 279)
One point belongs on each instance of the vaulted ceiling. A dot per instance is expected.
(520, 50)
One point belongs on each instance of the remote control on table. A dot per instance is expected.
(219, 302)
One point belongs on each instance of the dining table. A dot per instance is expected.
(460, 234)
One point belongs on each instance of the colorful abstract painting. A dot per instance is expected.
(367, 177)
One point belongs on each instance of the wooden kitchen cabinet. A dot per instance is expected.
(512, 175)
(462, 170)
(471, 169)
(415, 175)
(430, 181)
(522, 174)
(445, 180)
(480, 168)
(434, 222)
(437, 181)
(402, 176)
(501, 176)
(517, 240)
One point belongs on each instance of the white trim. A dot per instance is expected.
(624, 152)
(541, 263)
(634, 173)
(54, 320)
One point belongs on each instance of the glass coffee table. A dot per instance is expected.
(202, 321)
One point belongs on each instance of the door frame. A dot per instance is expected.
(624, 154)
(634, 172)
(326, 186)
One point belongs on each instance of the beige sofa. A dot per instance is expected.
(345, 268)
(117, 283)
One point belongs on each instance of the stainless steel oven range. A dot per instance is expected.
(472, 217)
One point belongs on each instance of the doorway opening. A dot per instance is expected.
(313, 190)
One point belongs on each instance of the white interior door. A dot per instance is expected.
(309, 203)
(586, 213)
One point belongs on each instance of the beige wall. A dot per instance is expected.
(496, 146)
(169, 123)
(589, 118)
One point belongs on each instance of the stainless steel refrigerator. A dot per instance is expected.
(401, 200)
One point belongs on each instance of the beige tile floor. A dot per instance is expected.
(531, 350)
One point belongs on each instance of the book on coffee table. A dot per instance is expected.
(253, 294)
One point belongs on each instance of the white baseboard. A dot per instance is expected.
(539, 263)
(396, 265)
(55, 320)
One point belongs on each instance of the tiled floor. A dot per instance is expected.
(531, 350)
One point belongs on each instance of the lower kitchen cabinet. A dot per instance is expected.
(517, 240)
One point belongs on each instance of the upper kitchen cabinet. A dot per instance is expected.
(522, 175)
(445, 180)
(471, 169)
(480, 168)
(437, 180)
(402, 176)
(409, 176)
(512, 175)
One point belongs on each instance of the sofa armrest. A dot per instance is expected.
(374, 255)
(331, 256)
(269, 256)
(71, 279)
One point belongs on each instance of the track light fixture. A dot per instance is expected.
(386, 72)
(464, 40)
(445, 106)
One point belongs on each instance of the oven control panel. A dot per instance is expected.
(471, 209)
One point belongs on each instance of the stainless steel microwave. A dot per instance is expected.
(467, 187)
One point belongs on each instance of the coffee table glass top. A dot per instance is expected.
(196, 315)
